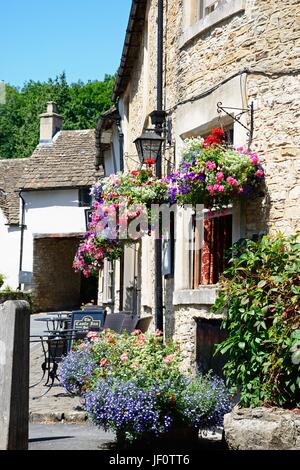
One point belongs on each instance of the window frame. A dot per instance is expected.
(83, 200)
(206, 216)
(196, 22)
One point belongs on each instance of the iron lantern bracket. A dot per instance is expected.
(237, 117)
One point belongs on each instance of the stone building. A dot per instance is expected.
(235, 53)
(44, 201)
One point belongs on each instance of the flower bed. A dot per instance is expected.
(132, 385)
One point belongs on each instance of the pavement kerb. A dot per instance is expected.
(51, 418)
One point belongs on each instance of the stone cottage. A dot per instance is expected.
(227, 56)
(44, 203)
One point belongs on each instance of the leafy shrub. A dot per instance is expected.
(1, 280)
(260, 295)
(132, 384)
(9, 294)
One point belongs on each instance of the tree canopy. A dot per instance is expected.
(80, 104)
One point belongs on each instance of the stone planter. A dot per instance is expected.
(262, 429)
(177, 437)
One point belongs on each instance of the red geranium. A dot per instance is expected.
(218, 133)
(216, 138)
(149, 161)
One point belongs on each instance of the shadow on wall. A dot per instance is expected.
(257, 213)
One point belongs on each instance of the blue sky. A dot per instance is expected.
(41, 38)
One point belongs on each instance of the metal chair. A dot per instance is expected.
(121, 321)
(143, 324)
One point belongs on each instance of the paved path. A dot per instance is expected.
(69, 437)
(57, 404)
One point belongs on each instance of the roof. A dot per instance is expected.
(131, 46)
(66, 162)
(10, 173)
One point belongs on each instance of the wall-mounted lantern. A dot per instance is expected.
(149, 146)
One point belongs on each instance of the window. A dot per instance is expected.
(168, 247)
(210, 248)
(201, 15)
(85, 199)
(211, 239)
(206, 7)
(108, 282)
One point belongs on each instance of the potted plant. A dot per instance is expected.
(132, 384)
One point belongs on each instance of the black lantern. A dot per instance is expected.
(148, 146)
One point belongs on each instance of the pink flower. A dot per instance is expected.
(92, 334)
(104, 362)
(168, 358)
(254, 159)
(135, 365)
(232, 181)
(124, 357)
(81, 346)
(218, 187)
(210, 187)
(240, 190)
(220, 176)
(259, 173)
(136, 332)
(210, 165)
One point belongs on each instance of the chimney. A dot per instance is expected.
(50, 123)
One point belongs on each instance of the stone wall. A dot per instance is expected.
(262, 429)
(259, 45)
(55, 284)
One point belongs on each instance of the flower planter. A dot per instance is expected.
(178, 436)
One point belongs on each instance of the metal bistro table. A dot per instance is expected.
(55, 345)
(58, 320)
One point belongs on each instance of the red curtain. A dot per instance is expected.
(217, 239)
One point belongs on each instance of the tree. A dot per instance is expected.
(79, 103)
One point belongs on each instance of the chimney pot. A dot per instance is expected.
(50, 123)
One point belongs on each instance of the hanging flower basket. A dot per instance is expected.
(214, 174)
(211, 173)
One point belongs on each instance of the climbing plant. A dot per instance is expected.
(260, 293)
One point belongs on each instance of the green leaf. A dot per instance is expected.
(242, 345)
(261, 284)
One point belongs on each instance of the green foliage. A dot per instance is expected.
(80, 104)
(260, 295)
(9, 294)
(1, 280)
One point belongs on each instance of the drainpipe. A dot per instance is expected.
(121, 142)
(22, 235)
(122, 266)
(159, 319)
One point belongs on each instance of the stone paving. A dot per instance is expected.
(56, 405)
(69, 437)
(58, 420)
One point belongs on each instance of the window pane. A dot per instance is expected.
(85, 199)
(209, 261)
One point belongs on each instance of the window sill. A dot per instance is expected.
(223, 11)
(204, 295)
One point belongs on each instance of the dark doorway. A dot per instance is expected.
(88, 290)
(209, 334)
(55, 284)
